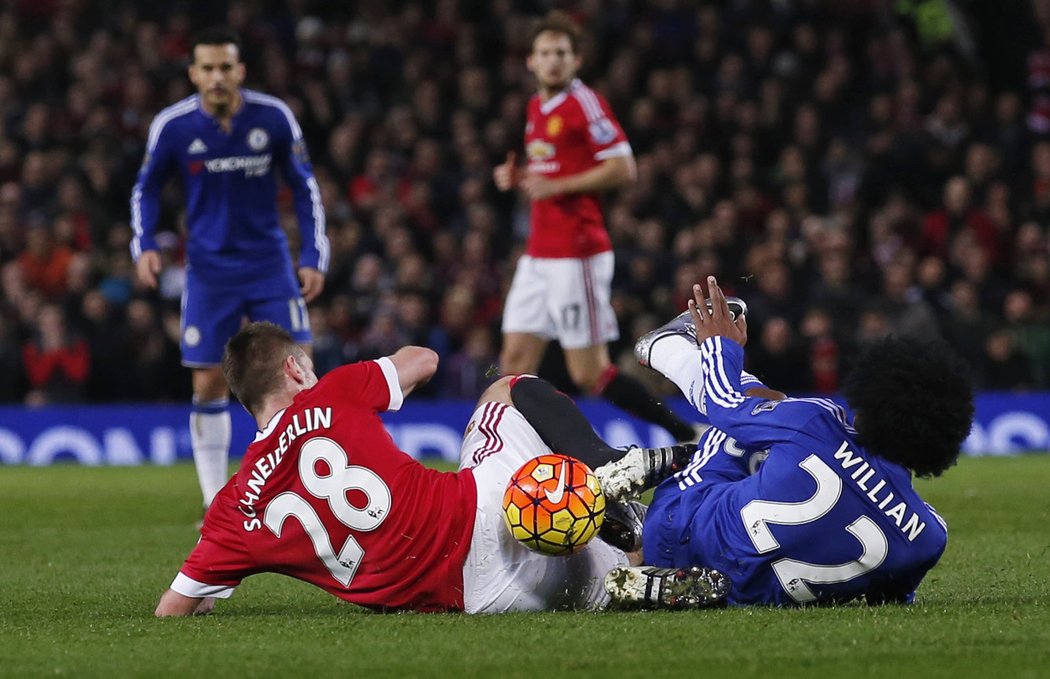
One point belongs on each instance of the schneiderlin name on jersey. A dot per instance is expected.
(313, 420)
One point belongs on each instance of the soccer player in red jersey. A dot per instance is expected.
(575, 150)
(323, 494)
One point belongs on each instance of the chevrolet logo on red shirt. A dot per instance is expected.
(539, 150)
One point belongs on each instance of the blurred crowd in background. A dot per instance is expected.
(850, 168)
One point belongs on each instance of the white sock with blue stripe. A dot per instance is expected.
(210, 433)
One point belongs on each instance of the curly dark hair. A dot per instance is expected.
(914, 403)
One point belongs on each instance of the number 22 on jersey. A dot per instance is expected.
(333, 486)
(793, 574)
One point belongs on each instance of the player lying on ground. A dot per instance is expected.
(323, 495)
(831, 514)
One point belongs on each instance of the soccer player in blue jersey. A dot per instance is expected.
(226, 143)
(791, 499)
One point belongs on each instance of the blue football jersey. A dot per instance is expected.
(235, 235)
(782, 498)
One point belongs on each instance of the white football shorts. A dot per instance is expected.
(501, 575)
(564, 299)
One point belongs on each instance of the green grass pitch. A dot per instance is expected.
(85, 552)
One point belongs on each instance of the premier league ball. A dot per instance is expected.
(554, 504)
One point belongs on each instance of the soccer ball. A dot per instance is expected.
(554, 504)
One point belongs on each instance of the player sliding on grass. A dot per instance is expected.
(831, 514)
(323, 495)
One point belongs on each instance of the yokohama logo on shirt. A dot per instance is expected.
(253, 166)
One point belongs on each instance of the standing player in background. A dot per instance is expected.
(562, 285)
(224, 143)
(323, 495)
(831, 514)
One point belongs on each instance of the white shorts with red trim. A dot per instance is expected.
(500, 574)
(564, 299)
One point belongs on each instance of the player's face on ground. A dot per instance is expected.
(553, 61)
(217, 72)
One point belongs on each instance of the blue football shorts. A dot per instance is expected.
(213, 314)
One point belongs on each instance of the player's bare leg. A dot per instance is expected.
(498, 391)
(592, 371)
(210, 430)
(521, 353)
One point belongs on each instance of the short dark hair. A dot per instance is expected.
(556, 21)
(252, 362)
(215, 35)
(914, 403)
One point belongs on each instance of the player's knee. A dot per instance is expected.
(498, 390)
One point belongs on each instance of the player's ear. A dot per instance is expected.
(292, 370)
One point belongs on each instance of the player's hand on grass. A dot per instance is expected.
(312, 282)
(206, 606)
(716, 321)
(173, 604)
(148, 268)
(508, 174)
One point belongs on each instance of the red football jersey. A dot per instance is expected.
(324, 495)
(570, 133)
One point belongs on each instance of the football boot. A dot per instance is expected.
(622, 527)
(666, 588)
(641, 469)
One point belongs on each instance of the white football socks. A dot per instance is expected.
(678, 359)
(210, 433)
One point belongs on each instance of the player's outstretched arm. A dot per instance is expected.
(173, 604)
(720, 322)
(415, 366)
(752, 419)
(715, 321)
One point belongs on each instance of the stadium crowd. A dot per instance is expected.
(851, 171)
